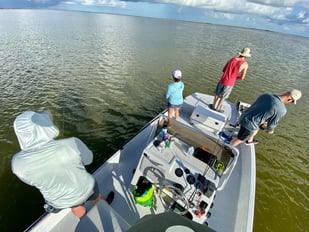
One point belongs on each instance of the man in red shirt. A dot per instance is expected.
(235, 69)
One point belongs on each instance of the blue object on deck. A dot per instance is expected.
(226, 138)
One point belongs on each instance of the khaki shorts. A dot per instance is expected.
(223, 91)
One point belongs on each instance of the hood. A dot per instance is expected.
(34, 129)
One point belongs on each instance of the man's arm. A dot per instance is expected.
(85, 153)
(242, 71)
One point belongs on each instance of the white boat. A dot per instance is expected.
(187, 179)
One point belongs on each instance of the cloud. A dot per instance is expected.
(276, 3)
(282, 3)
(278, 12)
(28, 3)
(108, 3)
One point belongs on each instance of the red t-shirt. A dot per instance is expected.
(231, 71)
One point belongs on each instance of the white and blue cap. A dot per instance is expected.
(176, 74)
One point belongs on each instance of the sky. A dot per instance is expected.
(284, 16)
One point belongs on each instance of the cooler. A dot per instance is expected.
(206, 119)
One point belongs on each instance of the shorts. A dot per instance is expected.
(169, 105)
(95, 193)
(223, 91)
(243, 133)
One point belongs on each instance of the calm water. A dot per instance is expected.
(104, 76)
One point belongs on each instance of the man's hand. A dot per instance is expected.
(263, 126)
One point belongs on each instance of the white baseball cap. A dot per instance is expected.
(176, 74)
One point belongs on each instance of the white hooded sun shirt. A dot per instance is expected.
(55, 167)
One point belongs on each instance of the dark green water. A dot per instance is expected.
(103, 77)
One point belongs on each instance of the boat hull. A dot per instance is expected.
(233, 203)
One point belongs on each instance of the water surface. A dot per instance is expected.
(104, 76)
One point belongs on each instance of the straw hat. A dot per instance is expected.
(295, 94)
(245, 52)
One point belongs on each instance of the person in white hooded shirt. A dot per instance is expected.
(55, 167)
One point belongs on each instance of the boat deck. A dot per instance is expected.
(117, 173)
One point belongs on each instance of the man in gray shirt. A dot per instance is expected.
(264, 113)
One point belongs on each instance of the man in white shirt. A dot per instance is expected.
(55, 167)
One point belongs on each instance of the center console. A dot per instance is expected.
(185, 181)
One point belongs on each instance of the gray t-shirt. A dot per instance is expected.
(267, 108)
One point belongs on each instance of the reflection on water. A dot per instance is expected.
(103, 77)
